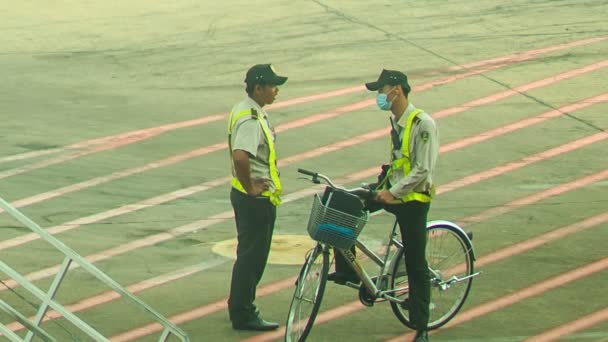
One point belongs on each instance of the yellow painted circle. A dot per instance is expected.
(285, 249)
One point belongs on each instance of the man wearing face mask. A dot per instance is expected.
(255, 194)
(407, 189)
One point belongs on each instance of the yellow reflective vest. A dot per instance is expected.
(404, 162)
(272, 159)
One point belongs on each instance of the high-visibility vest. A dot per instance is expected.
(404, 162)
(272, 158)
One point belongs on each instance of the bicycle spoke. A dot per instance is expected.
(307, 296)
(448, 253)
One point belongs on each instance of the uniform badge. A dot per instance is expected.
(425, 136)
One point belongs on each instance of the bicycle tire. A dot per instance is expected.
(308, 295)
(449, 252)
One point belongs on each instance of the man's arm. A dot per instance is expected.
(421, 165)
(242, 169)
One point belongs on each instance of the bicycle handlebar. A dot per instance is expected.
(308, 173)
(361, 192)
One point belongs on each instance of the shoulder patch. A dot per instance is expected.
(424, 136)
(254, 113)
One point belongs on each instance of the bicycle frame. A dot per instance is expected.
(383, 262)
(374, 287)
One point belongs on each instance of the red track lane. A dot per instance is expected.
(563, 330)
(108, 143)
(518, 296)
(491, 63)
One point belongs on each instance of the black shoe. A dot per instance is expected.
(256, 324)
(421, 336)
(343, 278)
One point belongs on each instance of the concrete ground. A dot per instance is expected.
(113, 120)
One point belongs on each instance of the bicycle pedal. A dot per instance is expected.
(355, 286)
(344, 279)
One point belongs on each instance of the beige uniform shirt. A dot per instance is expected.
(247, 135)
(424, 148)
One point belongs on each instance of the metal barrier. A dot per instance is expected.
(47, 298)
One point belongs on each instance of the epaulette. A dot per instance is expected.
(254, 114)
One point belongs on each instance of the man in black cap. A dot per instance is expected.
(407, 189)
(255, 194)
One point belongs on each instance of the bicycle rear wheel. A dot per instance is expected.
(308, 294)
(449, 254)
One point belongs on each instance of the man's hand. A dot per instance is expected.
(254, 187)
(258, 186)
(385, 197)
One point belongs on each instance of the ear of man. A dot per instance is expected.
(397, 91)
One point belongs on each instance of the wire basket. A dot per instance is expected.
(334, 227)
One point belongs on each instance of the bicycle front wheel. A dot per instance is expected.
(450, 257)
(307, 297)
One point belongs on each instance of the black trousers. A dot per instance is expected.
(411, 217)
(255, 217)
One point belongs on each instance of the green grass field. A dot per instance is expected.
(113, 131)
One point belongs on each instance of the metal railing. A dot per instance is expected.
(47, 299)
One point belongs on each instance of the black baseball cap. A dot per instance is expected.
(264, 74)
(391, 77)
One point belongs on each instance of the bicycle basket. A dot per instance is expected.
(334, 227)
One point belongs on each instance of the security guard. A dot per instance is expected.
(407, 190)
(255, 194)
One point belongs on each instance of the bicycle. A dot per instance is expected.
(450, 257)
